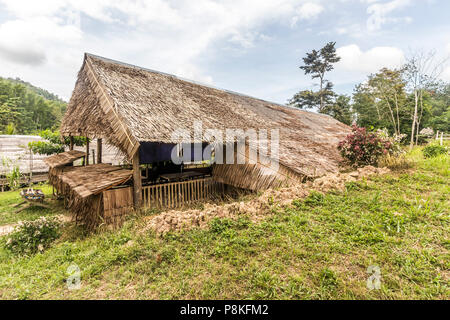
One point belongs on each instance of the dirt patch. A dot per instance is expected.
(256, 209)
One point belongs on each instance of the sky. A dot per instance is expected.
(253, 47)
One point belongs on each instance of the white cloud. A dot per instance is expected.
(379, 13)
(446, 74)
(307, 11)
(355, 60)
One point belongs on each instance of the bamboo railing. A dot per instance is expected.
(178, 194)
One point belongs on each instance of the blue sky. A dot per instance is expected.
(253, 47)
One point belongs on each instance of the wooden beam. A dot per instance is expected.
(71, 143)
(87, 152)
(99, 150)
(137, 182)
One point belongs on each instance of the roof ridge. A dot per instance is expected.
(125, 64)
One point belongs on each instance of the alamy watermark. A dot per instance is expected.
(229, 146)
(73, 281)
(374, 280)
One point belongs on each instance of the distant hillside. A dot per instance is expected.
(42, 92)
(27, 109)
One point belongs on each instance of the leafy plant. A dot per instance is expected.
(10, 129)
(433, 150)
(30, 237)
(54, 143)
(362, 147)
(13, 178)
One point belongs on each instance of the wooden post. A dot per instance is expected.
(137, 182)
(86, 163)
(99, 150)
(71, 142)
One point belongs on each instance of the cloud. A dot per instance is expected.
(355, 60)
(379, 13)
(307, 11)
(446, 74)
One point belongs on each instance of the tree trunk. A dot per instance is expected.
(420, 117)
(414, 119)
(321, 94)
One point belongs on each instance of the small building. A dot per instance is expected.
(140, 111)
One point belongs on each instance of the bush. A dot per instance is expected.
(30, 237)
(362, 148)
(53, 143)
(433, 150)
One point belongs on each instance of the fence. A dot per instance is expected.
(442, 136)
(178, 194)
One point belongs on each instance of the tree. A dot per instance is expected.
(439, 101)
(317, 64)
(26, 108)
(340, 109)
(53, 143)
(421, 72)
(388, 88)
(381, 102)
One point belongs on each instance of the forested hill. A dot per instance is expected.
(42, 92)
(27, 109)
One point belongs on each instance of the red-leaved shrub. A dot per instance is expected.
(362, 148)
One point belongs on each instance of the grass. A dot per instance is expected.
(10, 198)
(319, 248)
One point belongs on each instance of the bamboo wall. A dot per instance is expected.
(178, 194)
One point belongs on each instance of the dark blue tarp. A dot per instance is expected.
(151, 152)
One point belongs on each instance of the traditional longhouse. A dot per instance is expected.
(137, 110)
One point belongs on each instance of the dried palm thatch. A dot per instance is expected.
(84, 187)
(84, 181)
(127, 105)
(64, 158)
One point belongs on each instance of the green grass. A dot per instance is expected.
(10, 198)
(319, 248)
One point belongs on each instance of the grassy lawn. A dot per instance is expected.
(319, 248)
(7, 211)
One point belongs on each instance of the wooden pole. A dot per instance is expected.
(71, 143)
(137, 182)
(86, 163)
(99, 150)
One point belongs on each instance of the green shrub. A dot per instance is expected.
(53, 143)
(219, 226)
(30, 237)
(433, 150)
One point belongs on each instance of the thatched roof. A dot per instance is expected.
(85, 181)
(126, 105)
(64, 158)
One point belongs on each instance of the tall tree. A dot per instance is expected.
(317, 63)
(388, 88)
(381, 102)
(340, 110)
(421, 73)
